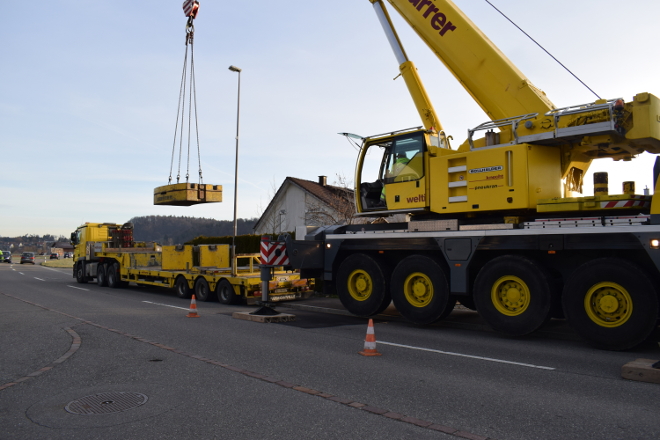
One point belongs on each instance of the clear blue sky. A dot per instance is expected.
(89, 94)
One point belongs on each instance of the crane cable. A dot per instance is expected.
(188, 86)
(543, 48)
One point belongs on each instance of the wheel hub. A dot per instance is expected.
(359, 285)
(418, 289)
(510, 295)
(608, 304)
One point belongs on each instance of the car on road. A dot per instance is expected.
(27, 257)
(6, 257)
(68, 255)
(54, 256)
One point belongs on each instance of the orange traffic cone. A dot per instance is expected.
(193, 308)
(370, 341)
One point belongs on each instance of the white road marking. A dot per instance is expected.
(54, 270)
(38, 279)
(166, 305)
(21, 273)
(79, 288)
(467, 356)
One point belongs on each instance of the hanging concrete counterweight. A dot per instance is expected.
(187, 194)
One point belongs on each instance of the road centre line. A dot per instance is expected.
(540, 367)
(79, 288)
(166, 305)
(38, 279)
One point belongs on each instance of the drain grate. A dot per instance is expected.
(106, 403)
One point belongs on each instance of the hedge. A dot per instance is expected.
(245, 244)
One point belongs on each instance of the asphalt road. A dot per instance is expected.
(148, 372)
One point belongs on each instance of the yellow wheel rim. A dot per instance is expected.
(360, 285)
(510, 295)
(608, 304)
(418, 289)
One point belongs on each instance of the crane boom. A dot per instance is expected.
(408, 72)
(494, 82)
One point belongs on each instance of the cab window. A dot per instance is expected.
(404, 159)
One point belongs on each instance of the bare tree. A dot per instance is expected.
(338, 208)
(273, 220)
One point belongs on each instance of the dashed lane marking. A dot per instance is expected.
(165, 305)
(449, 353)
(79, 288)
(38, 279)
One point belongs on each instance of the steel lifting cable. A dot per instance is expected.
(187, 87)
(182, 96)
(544, 49)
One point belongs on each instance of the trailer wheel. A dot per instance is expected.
(80, 274)
(420, 290)
(611, 303)
(202, 290)
(225, 292)
(362, 285)
(181, 288)
(112, 274)
(101, 275)
(514, 295)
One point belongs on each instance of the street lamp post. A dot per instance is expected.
(238, 119)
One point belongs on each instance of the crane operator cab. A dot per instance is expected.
(391, 172)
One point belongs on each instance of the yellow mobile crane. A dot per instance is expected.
(494, 223)
(518, 169)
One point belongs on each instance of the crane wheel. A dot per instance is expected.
(181, 288)
(101, 275)
(420, 290)
(225, 293)
(202, 290)
(514, 295)
(362, 285)
(611, 303)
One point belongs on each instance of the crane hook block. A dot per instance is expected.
(190, 8)
(187, 194)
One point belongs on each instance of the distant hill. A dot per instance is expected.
(177, 230)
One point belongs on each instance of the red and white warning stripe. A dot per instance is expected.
(190, 8)
(625, 204)
(273, 253)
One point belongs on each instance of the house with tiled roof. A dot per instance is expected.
(300, 202)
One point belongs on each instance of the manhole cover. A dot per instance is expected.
(106, 403)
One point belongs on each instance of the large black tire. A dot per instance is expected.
(362, 285)
(611, 303)
(80, 274)
(202, 290)
(112, 274)
(225, 293)
(101, 275)
(514, 295)
(420, 290)
(181, 288)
